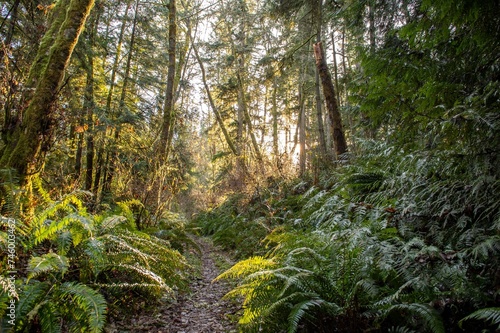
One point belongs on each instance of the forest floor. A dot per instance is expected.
(201, 310)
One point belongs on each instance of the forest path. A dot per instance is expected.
(202, 310)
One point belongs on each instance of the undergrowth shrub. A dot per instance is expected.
(96, 263)
(234, 230)
(393, 242)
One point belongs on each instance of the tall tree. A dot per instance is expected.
(34, 134)
(331, 101)
(318, 18)
(112, 155)
(168, 107)
(214, 108)
(101, 161)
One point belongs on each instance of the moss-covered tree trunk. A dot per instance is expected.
(34, 134)
(13, 120)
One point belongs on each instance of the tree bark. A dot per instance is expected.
(331, 101)
(275, 120)
(335, 67)
(168, 106)
(89, 111)
(88, 106)
(318, 18)
(27, 154)
(13, 121)
(301, 126)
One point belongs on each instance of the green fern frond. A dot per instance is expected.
(246, 267)
(95, 251)
(31, 295)
(49, 262)
(121, 245)
(49, 228)
(49, 319)
(148, 274)
(368, 286)
(395, 297)
(304, 253)
(299, 310)
(489, 246)
(9, 190)
(111, 222)
(315, 200)
(430, 317)
(37, 184)
(366, 182)
(491, 315)
(64, 241)
(120, 286)
(89, 305)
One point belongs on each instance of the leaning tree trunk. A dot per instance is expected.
(217, 114)
(34, 134)
(331, 101)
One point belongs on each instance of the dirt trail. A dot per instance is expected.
(200, 311)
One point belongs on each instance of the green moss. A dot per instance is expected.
(35, 134)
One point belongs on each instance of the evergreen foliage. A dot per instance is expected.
(389, 240)
(88, 261)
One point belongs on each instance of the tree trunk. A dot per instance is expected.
(264, 117)
(275, 120)
(168, 107)
(8, 123)
(10, 133)
(302, 124)
(88, 106)
(371, 28)
(100, 165)
(78, 155)
(331, 101)
(243, 105)
(318, 18)
(335, 67)
(113, 153)
(216, 112)
(35, 133)
(89, 110)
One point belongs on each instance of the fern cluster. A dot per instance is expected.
(73, 257)
(393, 242)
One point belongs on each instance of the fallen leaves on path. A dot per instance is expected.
(201, 311)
